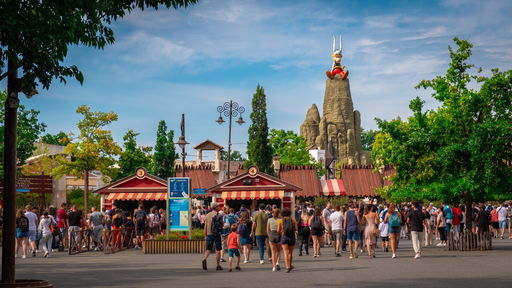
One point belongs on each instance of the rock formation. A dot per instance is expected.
(340, 123)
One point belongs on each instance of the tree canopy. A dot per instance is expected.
(93, 149)
(291, 147)
(235, 156)
(367, 139)
(36, 34)
(133, 156)
(460, 151)
(28, 130)
(162, 164)
(61, 139)
(258, 147)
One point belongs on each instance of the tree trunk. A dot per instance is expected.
(86, 191)
(9, 227)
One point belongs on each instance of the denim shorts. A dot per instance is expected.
(20, 234)
(233, 252)
(353, 235)
(503, 224)
(32, 235)
(288, 240)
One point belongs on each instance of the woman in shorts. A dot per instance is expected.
(274, 239)
(317, 226)
(287, 227)
(21, 233)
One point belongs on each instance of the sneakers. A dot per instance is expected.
(24, 256)
(222, 260)
(394, 255)
(237, 268)
(262, 262)
(204, 265)
(338, 255)
(439, 244)
(219, 268)
(417, 256)
(46, 255)
(274, 269)
(278, 268)
(34, 254)
(245, 261)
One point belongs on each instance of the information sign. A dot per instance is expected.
(179, 214)
(179, 187)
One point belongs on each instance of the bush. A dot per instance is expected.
(197, 234)
(76, 197)
(321, 201)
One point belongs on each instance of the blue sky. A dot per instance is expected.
(192, 60)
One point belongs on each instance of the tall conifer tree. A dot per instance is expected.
(165, 152)
(258, 146)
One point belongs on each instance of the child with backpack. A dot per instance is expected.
(233, 245)
(244, 230)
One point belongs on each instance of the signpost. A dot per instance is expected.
(178, 205)
(199, 191)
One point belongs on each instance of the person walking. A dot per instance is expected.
(326, 214)
(233, 245)
(317, 224)
(287, 226)
(259, 229)
(62, 224)
(371, 219)
(394, 220)
(483, 219)
(274, 239)
(96, 221)
(417, 221)
(428, 231)
(351, 223)
(228, 220)
(22, 233)
(336, 221)
(47, 235)
(441, 227)
(244, 230)
(304, 230)
(212, 230)
(154, 222)
(384, 235)
(32, 228)
(502, 219)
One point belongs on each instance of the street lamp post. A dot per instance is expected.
(230, 109)
(182, 142)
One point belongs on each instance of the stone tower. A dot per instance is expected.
(340, 123)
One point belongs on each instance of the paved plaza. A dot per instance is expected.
(132, 268)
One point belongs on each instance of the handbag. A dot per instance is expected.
(376, 232)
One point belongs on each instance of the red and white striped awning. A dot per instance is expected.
(136, 196)
(332, 187)
(263, 194)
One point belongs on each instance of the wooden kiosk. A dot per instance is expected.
(252, 188)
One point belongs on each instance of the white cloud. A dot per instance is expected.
(414, 65)
(438, 31)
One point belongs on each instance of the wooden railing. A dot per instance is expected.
(469, 241)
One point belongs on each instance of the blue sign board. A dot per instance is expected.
(179, 187)
(179, 214)
(22, 190)
(199, 191)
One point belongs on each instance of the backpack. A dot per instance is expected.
(155, 221)
(288, 227)
(394, 220)
(243, 230)
(216, 224)
(316, 223)
(140, 217)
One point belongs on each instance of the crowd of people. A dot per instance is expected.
(350, 228)
(58, 230)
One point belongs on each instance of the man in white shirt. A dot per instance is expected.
(502, 218)
(326, 213)
(336, 221)
(32, 228)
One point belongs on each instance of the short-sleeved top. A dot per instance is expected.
(233, 240)
(22, 224)
(62, 215)
(416, 218)
(260, 220)
(326, 213)
(502, 213)
(280, 223)
(272, 222)
(337, 220)
(494, 215)
(456, 213)
(32, 220)
(441, 221)
(96, 218)
(208, 222)
(74, 218)
(351, 221)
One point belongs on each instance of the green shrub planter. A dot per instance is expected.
(173, 246)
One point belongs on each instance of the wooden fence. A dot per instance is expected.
(469, 241)
(173, 246)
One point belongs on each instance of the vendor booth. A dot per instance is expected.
(252, 188)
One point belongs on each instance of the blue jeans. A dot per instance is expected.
(448, 226)
(260, 240)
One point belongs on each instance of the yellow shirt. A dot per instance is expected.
(280, 224)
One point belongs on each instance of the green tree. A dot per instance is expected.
(60, 138)
(235, 156)
(28, 131)
(258, 146)
(165, 153)
(291, 147)
(460, 151)
(133, 156)
(367, 139)
(93, 149)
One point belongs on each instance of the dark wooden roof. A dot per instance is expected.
(304, 177)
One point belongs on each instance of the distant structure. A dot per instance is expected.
(340, 124)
